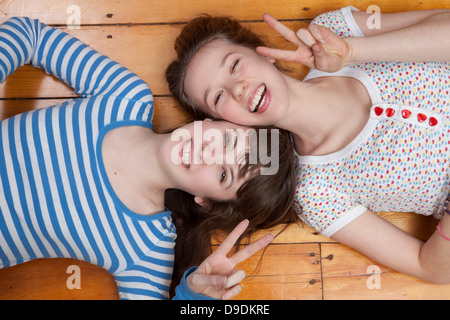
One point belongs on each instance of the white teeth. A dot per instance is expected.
(257, 101)
(186, 157)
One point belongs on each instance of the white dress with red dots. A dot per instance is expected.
(399, 161)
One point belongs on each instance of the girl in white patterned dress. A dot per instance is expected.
(370, 136)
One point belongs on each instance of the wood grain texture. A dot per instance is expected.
(300, 264)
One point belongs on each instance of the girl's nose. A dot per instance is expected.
(207, 154)
(238, 90)
(210, 153)
(213, 153)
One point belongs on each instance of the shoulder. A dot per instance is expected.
(341, 22)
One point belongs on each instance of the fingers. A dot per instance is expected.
(229, 294)
(230, 241)
(233, 283)
(235, 278)
(202, 280)
(316, 32)
(219, 286)
(251, 249)
(303, 39)
(278, 54)
(219, 281)
(306, 37)
(284, 31)
(320, 58)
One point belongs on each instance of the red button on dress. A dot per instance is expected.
(406, 114)
(421, 117)
(390, 112)
(433, 121)
(378, 111)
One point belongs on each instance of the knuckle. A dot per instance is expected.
(195, 279)
(220, 280)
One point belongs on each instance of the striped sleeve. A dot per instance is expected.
(150, 276)
(26, 41)
(53, 202)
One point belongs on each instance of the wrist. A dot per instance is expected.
(349, 58)
(443, 226)
(184, 292)
(442, 232)
(447, 205)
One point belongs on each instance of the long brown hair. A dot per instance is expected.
(265, 200)
(197, 33)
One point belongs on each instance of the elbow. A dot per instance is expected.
(442, 18)
(440, 280)
(436, 277)
(432, 274)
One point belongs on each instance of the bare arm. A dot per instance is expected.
(386, 244)
(392, 21)
(407, 36)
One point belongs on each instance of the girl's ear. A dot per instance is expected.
(200, 201)
(270, 59)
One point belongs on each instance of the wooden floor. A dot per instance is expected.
(139, 34)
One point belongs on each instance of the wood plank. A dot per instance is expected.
(71, 12)
(419, 226)
(113, 28)
(9, 108)
(287, 272)
(349, 275)
(47, 279)
(296, 233)
(167, 116)
(146, 58)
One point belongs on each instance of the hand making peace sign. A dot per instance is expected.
(217, 276)
(318, 47)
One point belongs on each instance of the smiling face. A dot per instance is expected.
(234, 83)
(205, 157)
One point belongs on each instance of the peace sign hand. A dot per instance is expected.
(318, 47)
(217, 276)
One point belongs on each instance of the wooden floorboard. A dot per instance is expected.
(300, 264)
(286, 271)
(61, 12)
(347, 271)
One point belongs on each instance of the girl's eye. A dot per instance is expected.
(235, 64)
(223, 176)
(217, 99)
(227, 140)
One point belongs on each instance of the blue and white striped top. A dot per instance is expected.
(55, 197)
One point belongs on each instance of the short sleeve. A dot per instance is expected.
(340, 22)
(326, 210)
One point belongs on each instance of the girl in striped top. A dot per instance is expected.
(86, 179)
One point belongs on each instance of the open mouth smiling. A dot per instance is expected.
(259, 98)
(186, 154)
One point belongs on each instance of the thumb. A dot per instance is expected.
(323, 61)
(320, 57)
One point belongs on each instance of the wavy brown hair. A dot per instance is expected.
(265, 200)
(196, 34)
